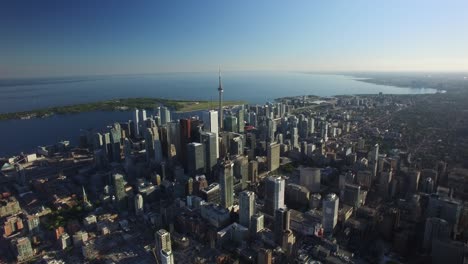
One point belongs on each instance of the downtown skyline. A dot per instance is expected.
(331, 132)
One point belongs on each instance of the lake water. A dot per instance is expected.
(253, 87)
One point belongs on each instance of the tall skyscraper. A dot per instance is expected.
(208, 140)
(413, 177)
(236, 146)
(241, 170)
(127, 148)
(246, 207)
(384, 184)
(115, 141)
(253, 171)
(273, 156)
(268, 110)
(185, 132)
(142, 122)
(157, 120)
(97, 141)
(311, 125)
(163, 242)
(158, 150)
(230, 124)
(271, 129)
(220, 91)
(324, 131)
(157, 145)
(107, 146)
(251, 144)
(210, 124)
(330, 212)
(373, 158)
(294, 138)
(143, 115)
(226, 182)
(240, 120)
(138, 204)
(157, 111)
(304, 128)
(136, 123)
(352, 195)
(282, 220)
(165, 140)
(151, 140)
(253, 119)
(195, 158)
(274, 194)
(165, 115)
(210, 121)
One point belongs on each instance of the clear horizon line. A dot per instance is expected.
(337, 72)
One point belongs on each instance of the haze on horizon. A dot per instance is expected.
(64, 38)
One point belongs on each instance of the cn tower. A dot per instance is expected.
(220, 91)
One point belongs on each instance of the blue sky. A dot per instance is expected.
(63, 38)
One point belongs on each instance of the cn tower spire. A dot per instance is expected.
(220, 86)
(220, 91)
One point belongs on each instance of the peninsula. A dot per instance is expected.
(442, 82)
(117, 105)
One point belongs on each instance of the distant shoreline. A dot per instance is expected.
(116, 105)
(441, 82)
(383, 82)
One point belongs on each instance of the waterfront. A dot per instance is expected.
(26, 135)
(253, 87)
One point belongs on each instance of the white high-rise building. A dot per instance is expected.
(275, 188)
(142, 122)
(136, 122)
(165, 115)
(324, 131)
(210, 121)
(246, 207)
(311, 126)
(143, 115)
(164, 246)
(373, 156)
